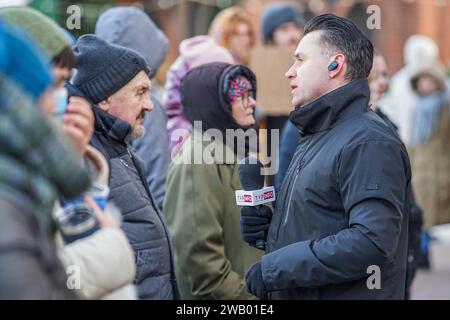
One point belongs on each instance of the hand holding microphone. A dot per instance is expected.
(255, 223)
(255, 216)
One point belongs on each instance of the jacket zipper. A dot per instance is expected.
(290, 194)
(129, 153)
(297, 173)
(173, 279)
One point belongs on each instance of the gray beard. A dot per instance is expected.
(136, 133)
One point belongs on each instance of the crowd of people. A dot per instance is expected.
(109, 190)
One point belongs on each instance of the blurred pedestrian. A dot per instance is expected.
(36, 167)
(78, 118)
(401, 100)
(194, 52)
(233, 30)
(108, 247)
(281, 26)
(378, 83)
(429, 145)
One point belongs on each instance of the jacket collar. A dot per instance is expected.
(326, 111)
(111, 126)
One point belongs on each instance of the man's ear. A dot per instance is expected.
(104, 105)
(341, 67)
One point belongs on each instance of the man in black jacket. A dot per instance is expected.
(115, 79)
(339, 228)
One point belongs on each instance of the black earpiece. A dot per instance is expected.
(333, 65)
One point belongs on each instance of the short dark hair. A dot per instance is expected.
(65, 59)
(343, 35)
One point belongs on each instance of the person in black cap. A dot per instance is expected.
(115, 79)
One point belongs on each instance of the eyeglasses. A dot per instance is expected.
(245, 99)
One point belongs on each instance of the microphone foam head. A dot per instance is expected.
(250, 173)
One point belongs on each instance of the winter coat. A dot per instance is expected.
(401, 100)
(430, 160)
(36, 167)
(28, 260)
(203, 219)
(88, 257)
(143, 222)
(342, 211)
(104, 263)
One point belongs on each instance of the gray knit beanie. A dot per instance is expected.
(104, 68)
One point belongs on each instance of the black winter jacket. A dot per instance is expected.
(342, 211)
(143, 222)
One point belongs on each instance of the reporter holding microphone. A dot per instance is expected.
(340, 222)
(203, 218)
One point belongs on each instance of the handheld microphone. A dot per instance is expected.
(254, 193)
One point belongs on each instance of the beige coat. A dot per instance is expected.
(430, 163)
(102, 265)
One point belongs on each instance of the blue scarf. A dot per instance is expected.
(426, 117)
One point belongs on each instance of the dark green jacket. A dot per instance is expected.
(203, 218)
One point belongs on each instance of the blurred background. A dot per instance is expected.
(181, 19)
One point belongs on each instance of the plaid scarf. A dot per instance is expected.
(36, 166)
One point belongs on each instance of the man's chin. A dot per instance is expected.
(297, 103)
(137, 132)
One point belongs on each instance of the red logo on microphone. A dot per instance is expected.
(268, 195)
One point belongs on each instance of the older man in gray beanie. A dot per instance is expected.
(118, 26)
(115, 79)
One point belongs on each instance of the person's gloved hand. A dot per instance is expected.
(255, 283)
(255, 222)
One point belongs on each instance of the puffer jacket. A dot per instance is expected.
(143, 222)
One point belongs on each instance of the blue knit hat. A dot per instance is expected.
(23, 63)
(275, 15)
(104, 68)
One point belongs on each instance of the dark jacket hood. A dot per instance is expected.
(203, 94)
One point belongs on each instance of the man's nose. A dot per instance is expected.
(291, 72)
(148, 104)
